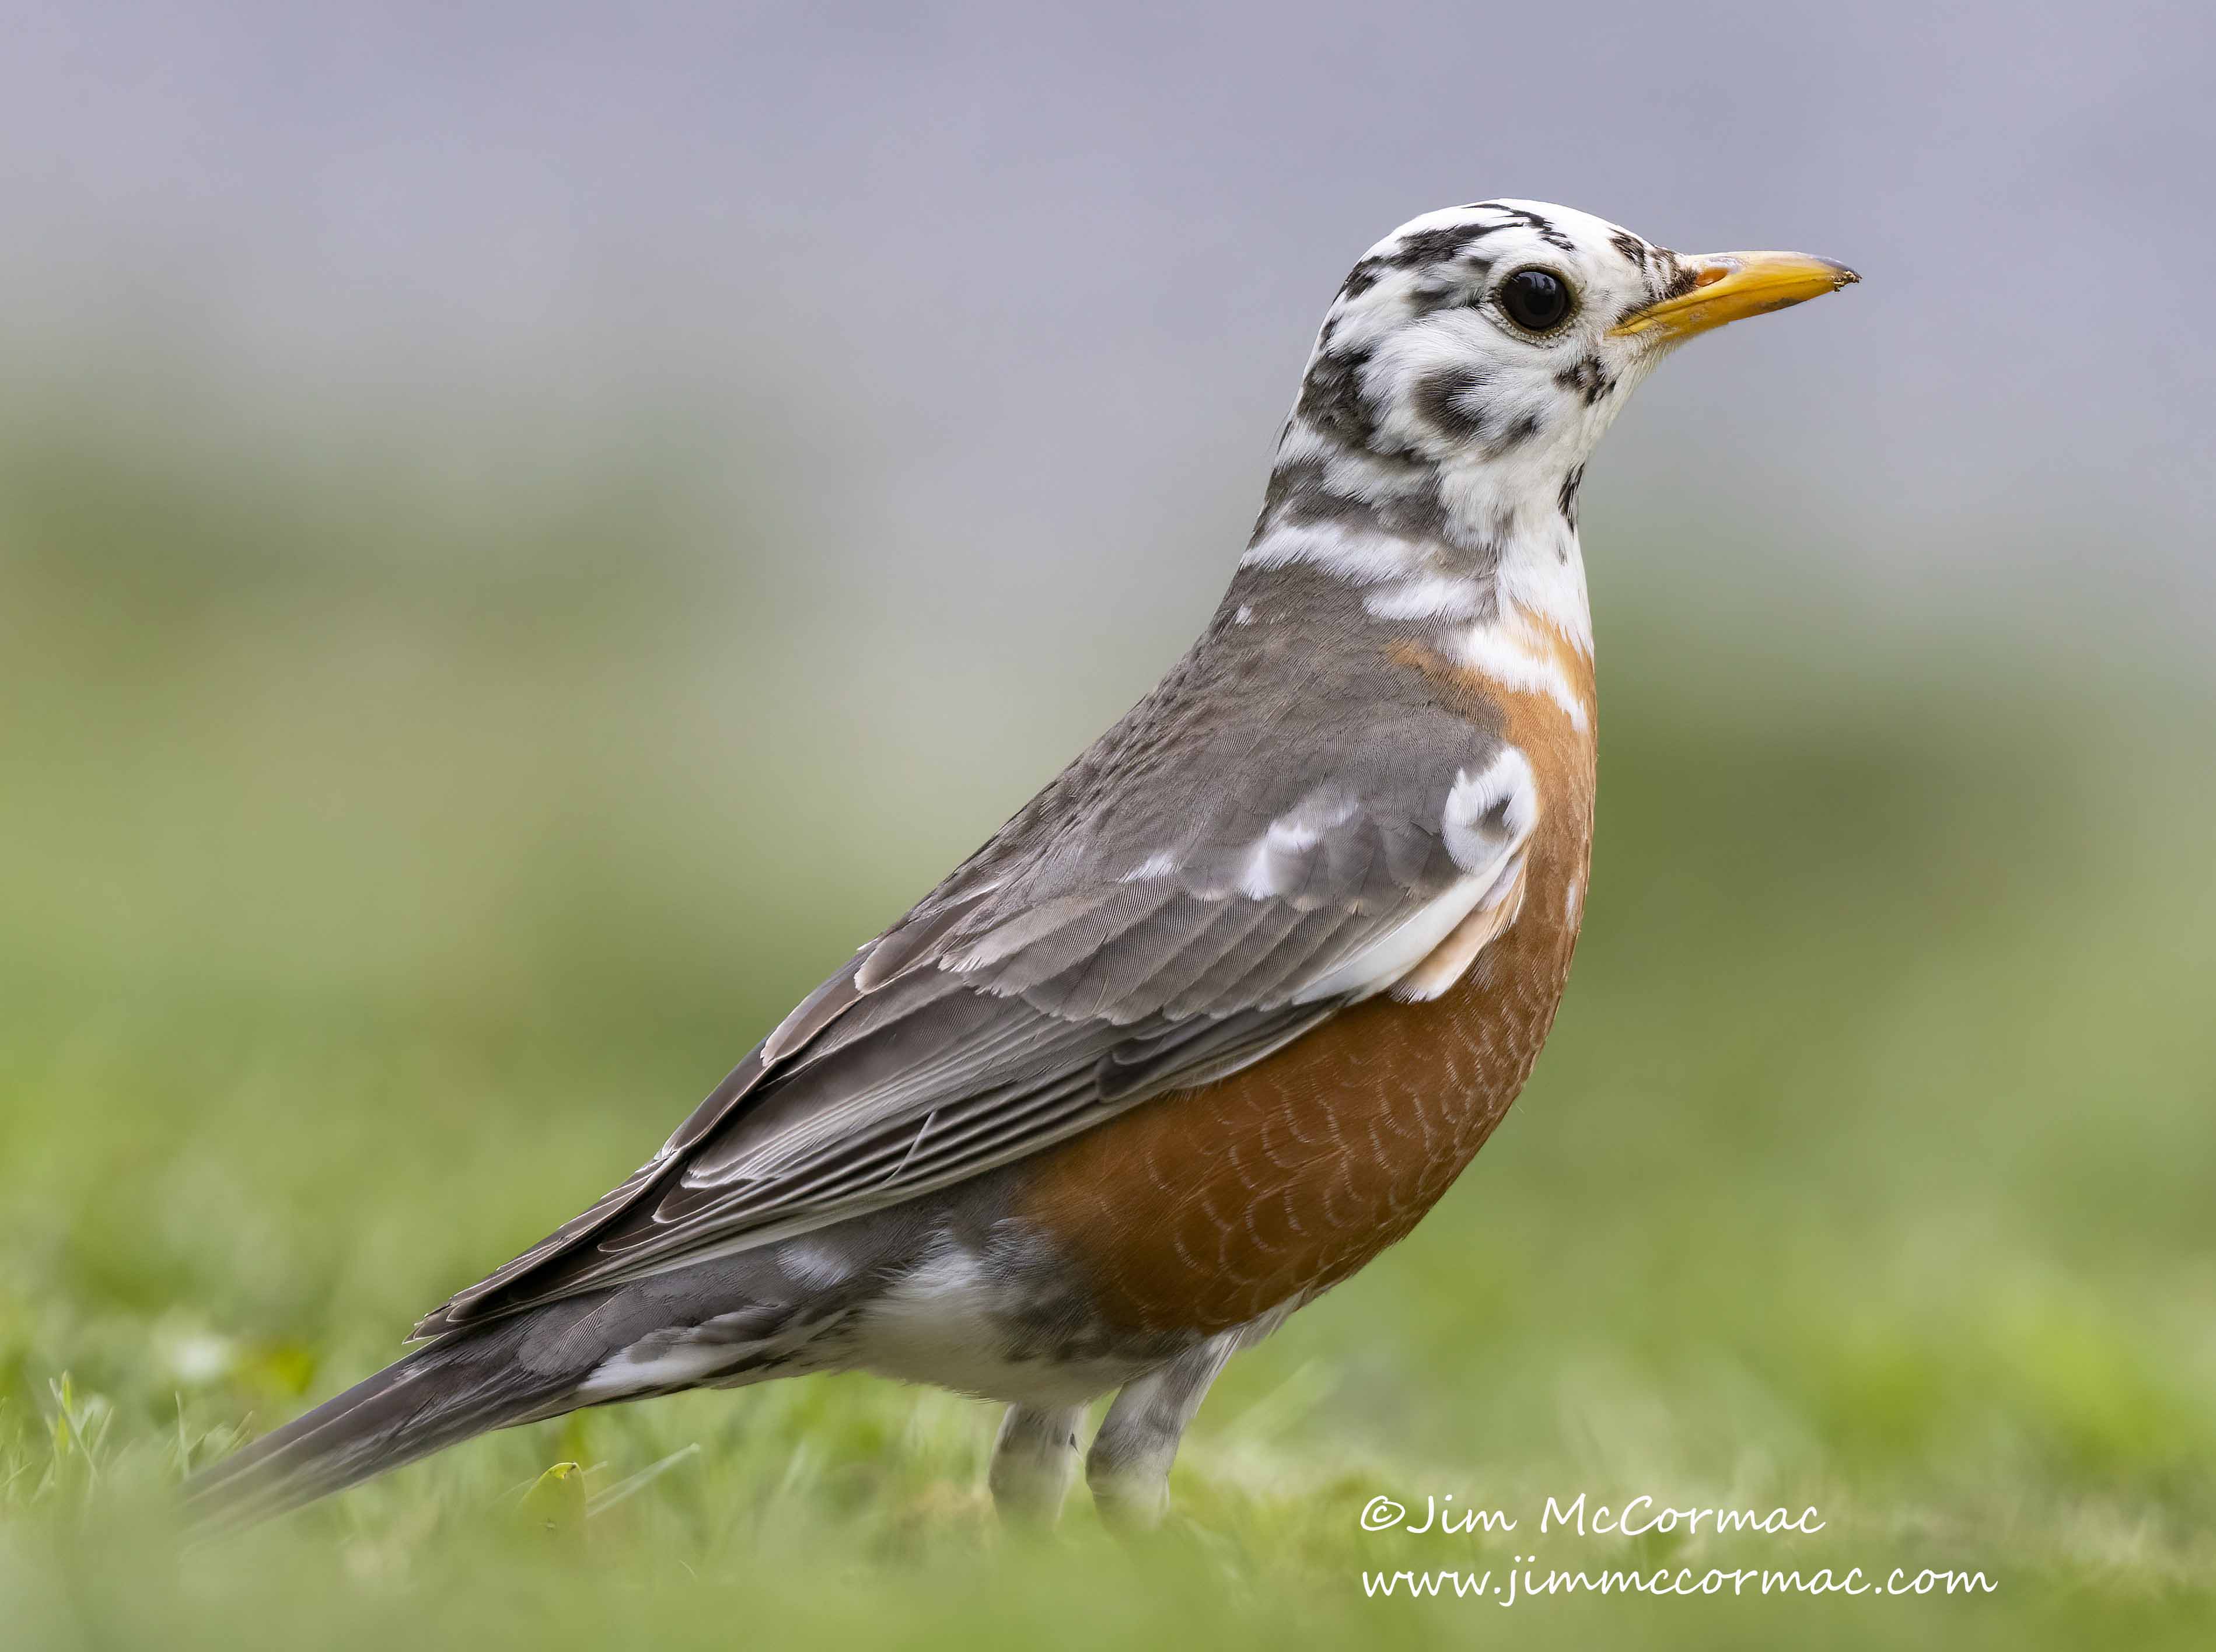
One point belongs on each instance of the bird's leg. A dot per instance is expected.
(1034, 1461)
(1129, 1466)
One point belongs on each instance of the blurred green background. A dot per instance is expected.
(458, 690)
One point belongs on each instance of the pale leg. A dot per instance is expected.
(1129, 1466)
(1034, 1461)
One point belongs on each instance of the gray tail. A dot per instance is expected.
(467, 1384)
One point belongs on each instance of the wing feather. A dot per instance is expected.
(1201, 887)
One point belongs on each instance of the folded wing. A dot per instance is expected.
(1215, 878)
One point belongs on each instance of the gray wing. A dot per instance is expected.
(1261, 841)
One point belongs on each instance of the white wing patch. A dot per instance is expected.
(1506, 654)
(1428, 596)
(1159, 864)
(1363, 557)
(1488, 823)
(1277, 864)
(1450, 960)
(1489, 816)
(1399, 949)
(684, 1354)
(816, 1267)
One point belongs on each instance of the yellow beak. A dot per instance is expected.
(1727, 285)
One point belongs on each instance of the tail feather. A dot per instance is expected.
(437, 1397)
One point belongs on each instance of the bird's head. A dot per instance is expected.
(1474, 356)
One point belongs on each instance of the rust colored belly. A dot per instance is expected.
(1200, 1210)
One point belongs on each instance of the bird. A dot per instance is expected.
(1217, 1016)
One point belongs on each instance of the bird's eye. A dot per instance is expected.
(1536, 299)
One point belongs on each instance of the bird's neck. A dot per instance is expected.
(1479, 551)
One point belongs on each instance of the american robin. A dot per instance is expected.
(1224, 1010)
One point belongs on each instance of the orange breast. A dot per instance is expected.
(1201, 1209)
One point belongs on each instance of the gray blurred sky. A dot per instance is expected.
(1031, 285)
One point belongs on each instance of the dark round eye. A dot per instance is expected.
(1536, 299)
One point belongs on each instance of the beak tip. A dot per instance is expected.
(1842, 276)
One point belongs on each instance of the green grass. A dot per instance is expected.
(379, 888)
